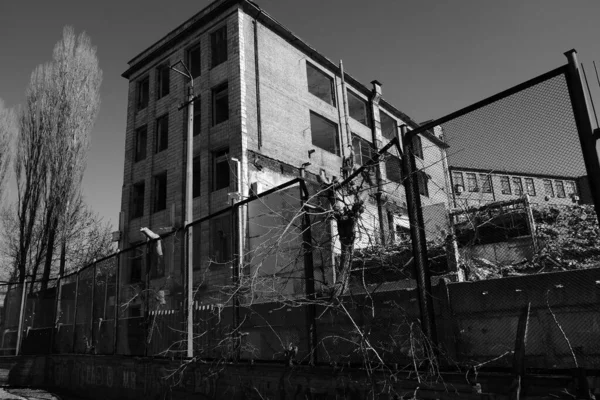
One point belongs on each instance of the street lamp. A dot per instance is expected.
(189, 198)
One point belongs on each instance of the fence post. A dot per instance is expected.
(309, 276)
(75, 312)
(116, 307)
(417, 235)
(92, 347)
(587, 136)
(21, 316)
(56, 315)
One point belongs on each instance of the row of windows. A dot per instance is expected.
(218, 46)
(220, 179)
(510, 185)
(220, 113)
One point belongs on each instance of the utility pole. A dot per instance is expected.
(189, 209)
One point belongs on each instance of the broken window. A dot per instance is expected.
(162, 133)
(560, 189)
(423, 182)
(393, 168)
(163, 74)
(518, 186)
(472, 182)
(548, 188)
(357, 108)
(218, 46)
(458, 182)
(193, 60)
(220, 103)
(530, 186)
(486, 183)
(389, 126)
(320, 84)
(160, 191)
(137, 199)
(324, 134)
(196, 177)
(417, 146)
(143, 93)
(220, 239)
(220, 169)
(362, 150)
(571, 188)
(141, 139)
(505, 185)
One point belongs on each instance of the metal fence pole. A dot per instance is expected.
(21, 317)
(417, 234)
(583, 121)
(75, 312)
(56, 315)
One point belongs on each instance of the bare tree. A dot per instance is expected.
(62, 102)
(8, 130)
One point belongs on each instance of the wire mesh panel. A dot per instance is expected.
(84, 309)
(105, 287)
(12, 299)
(63, 335)
(38, 321)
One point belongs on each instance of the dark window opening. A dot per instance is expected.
(389, 126)
(220, 234)
(137, 199)
(218, 46)
(458, 182)
(141, 140)
(486, 183)
(162, 133)
(221, 170)
(320, 84)
(571, 188)
(220, 104)
(357, 108)
(530, 186)
(197, 120)
(163, 75)
(423, 181)
(196, 177)
(143, 93)
(193, 61)
(393, 168)
(417, 146)
(136, 264)
(160, 192)
(363, 151)
(548, 188)
(324, 134)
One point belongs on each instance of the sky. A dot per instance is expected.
(432, 57)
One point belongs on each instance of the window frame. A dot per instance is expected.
(137, 209)
(359, 145)
(163, 89)
(472, 178)
(196, 176)
(560, 188)
(531, 192)
(197, 125)
(224, 222)
(486, 183)
(571, 185)
(140, 104)
(505, 186)
(423, 183)
(189, 58)
(218, 56)
(518, 185)
(455, 184)
(217, 93)
(389, 162)
(162, 134)
(319, 72)
(382, 115)
(548, 184)
(159, 192)
(328, 122)
(220, 156)
(367, 116)
(139, 152)
(417, 146)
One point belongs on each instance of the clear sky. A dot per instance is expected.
(432, 57)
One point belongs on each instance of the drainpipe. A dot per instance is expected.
(257, 79)
(350, 159)
(236, 222)
(374, 102)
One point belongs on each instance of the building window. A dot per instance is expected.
(220, 235)
(137, 199)
(143, 93)
(218, 46)
(530, 186)
(472, 182)
(137, 261)
(362, 150)
(571, 188)
(548, 188)
(486, 183)
(320, 84)
(357, 108)
(417, 146)
(389, 126)
(163, 75)
(141, 140)
(162, 133)
(197, 120)
(193, 60)
(221, 169)
(458, 182)
(505, 184)
(393, 168)
(196, 177)
(560, 189)
(423, 180)
(324, 134)
(518, 186)
(220, 104)
(160, 191)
